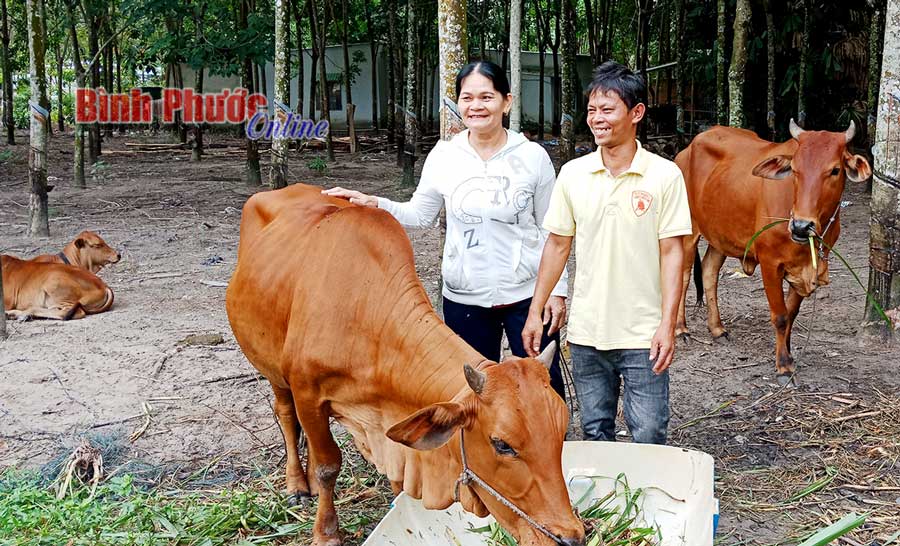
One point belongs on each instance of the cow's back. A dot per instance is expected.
(728, 203)
(313, 274)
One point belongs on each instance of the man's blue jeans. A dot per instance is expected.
(598, 375)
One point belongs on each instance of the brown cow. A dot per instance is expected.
(49, 290)
(87, 251)
(726, 172)
(325, 302)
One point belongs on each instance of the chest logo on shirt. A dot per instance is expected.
(640, 202)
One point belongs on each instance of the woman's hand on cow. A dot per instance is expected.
(555, 313)
(355, 197)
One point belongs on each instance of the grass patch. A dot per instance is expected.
(121, 513)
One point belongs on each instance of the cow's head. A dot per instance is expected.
(818, 169)
(91, 252)
(514, 425)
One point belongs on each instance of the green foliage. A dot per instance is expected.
(123, 514)
(317, 164)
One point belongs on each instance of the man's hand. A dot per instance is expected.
(532, 333)
(355, 197)
(662, 348)
(554, 314)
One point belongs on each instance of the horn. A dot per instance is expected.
(796, 131)
(851, 131)
(546, 356)
(474, 378)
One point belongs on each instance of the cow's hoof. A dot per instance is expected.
(24, 318)
(786, 379)
(722, 339)
(299, 498)
(684, 337)
(326, 541)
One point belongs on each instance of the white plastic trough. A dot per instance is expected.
(677, 496)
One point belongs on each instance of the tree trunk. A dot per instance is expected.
(884, 225)
(643, 50)
(8, 119)
(542, 29)
(391, 123)
(569, 81)
(804, 65)
(721, 67)
(108, 72)
(557, 80)
(592, 31)
(94, 146)
(278, 171)
(60, 122)
(254, 177)
(79, 82)
(679, 74)
(197, 148)
(301, 72)
(314, 64)
(770, 64)
(737, 70)
(373, 49)
(399, 83)
(39, 221)
(348, 85)
(515, 67)
(452, 33)
(504, 44)
(876, 39)
(323, 78)
(409, 139)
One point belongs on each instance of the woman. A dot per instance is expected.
(496, 186)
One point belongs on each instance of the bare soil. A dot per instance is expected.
(127, 372)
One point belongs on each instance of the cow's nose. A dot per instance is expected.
(802, 229)
(572, 542)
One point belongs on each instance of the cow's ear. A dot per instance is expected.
(80, 243)
(430, 427)
(857, 168)
(775, 168)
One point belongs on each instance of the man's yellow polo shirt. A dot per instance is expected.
(617, 223)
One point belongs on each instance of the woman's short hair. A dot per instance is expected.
(487, 69)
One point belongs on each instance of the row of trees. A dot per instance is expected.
(821, 64)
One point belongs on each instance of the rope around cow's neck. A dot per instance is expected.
(467, 477)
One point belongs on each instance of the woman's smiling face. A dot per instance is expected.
(480, 105)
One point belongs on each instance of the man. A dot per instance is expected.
(627, 208)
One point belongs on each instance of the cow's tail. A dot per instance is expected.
(698, 277)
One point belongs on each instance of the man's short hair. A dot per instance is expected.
(618, 78)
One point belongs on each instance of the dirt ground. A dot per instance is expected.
(127, 372)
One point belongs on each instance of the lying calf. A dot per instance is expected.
(50, 290)
(87, 251)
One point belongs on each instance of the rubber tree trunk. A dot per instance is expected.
(804, 65)
(314, 64)
(409, 139)
(542, 37)
(254, 177)
(278, 171)
(680, 73)
(301, 71)
(884, 225)
(197, 147)
(348, 85)
(79, 82)
(876, 40)
(569, 81)
(322, 30)
(8, 120)
(391, 120)
(94, 145)
(39, 221)
(721, 67)
(373, 57)
(399, 85)
(515, 64)
(59, 88)
(770, 68)
(737, 70)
